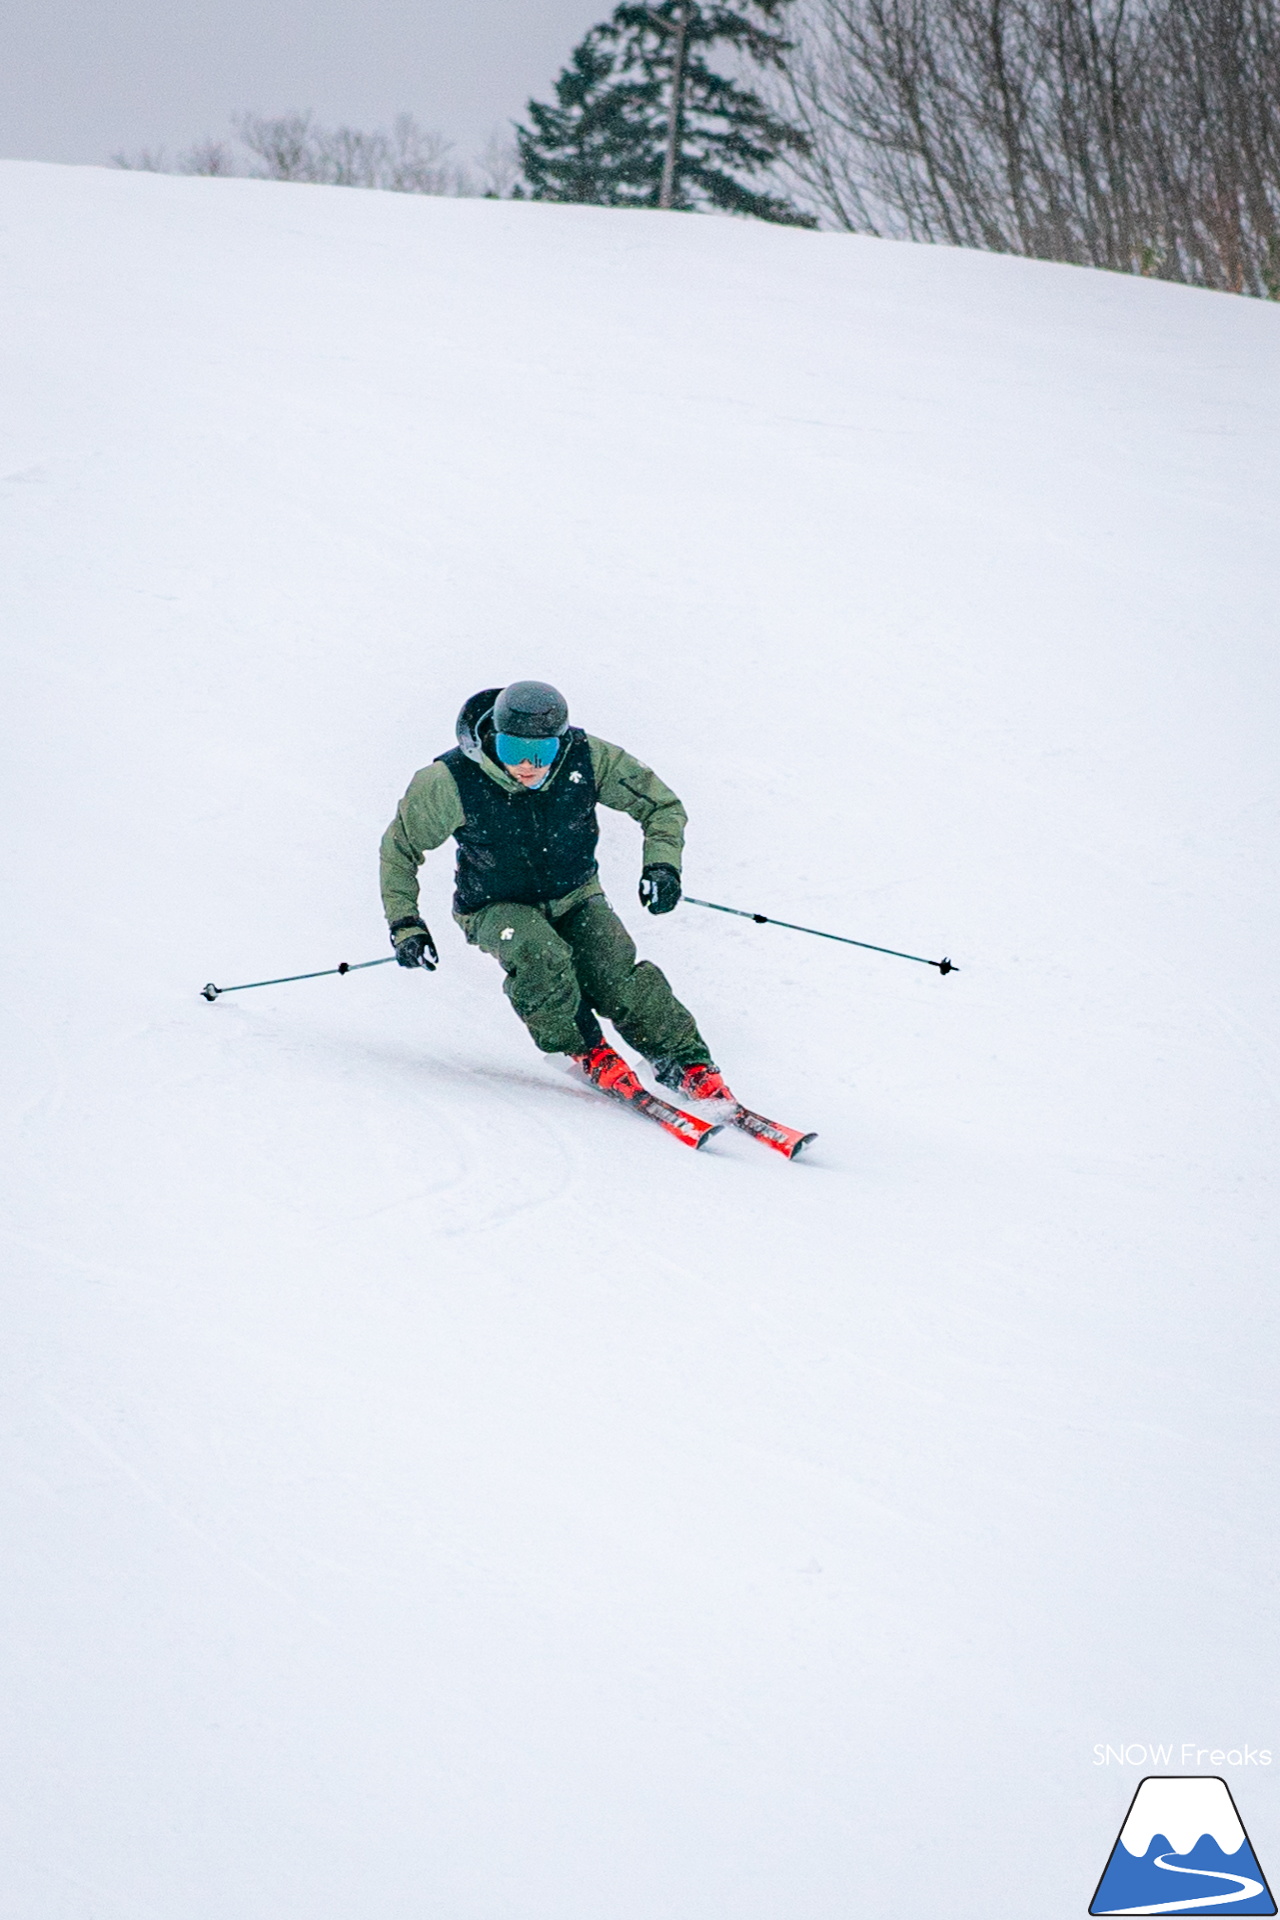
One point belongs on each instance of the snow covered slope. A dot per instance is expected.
(427, 1490)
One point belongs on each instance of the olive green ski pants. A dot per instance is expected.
(561, 973)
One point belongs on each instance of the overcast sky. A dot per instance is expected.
(80, 79)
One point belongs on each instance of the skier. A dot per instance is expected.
(519, 794)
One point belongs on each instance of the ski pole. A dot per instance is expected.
(764, 920)
(211, 992)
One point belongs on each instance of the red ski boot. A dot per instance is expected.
(703, 1083)
(608, 1070)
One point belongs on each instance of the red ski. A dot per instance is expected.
(707, 1083)
(688, 1127)
(609, 1072)
(788, 1141)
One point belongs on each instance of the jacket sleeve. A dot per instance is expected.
(626, 784)
(430, 811)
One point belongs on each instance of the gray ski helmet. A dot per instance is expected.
(531, 710)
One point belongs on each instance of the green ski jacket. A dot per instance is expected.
(431, 812)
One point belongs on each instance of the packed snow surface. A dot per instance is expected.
(428, 1490)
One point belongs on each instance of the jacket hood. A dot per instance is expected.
(471, 723)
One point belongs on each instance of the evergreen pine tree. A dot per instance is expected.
(642, 119)
(592, 144)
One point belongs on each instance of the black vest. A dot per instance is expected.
(531, 846)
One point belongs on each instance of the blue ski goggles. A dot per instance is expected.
(512, 750)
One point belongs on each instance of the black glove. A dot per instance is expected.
(412, 941)
(659, 888)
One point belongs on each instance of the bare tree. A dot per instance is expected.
(407, 159)
(285, 145)
(1139, 135)
(497, 167)
(418, 162)
(145, 160)
(210, 157)
(1217, 150)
